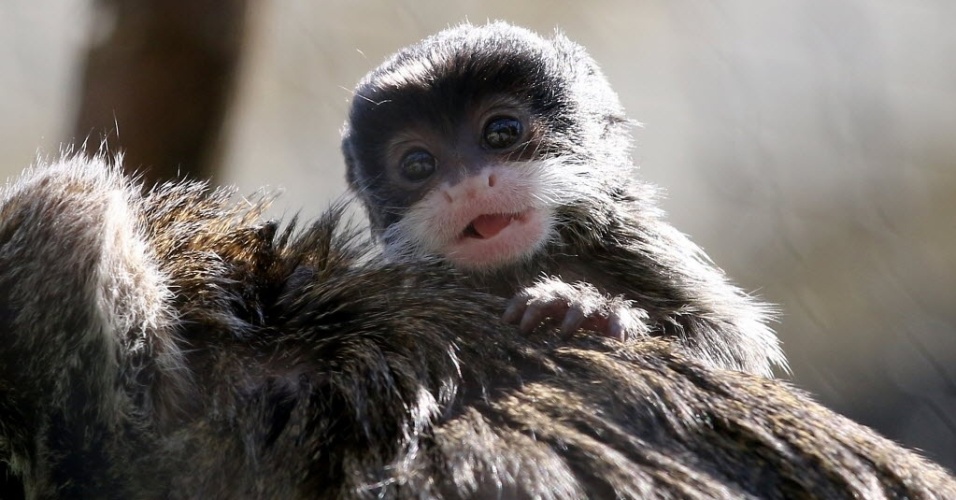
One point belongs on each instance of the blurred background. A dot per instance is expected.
(809, 147)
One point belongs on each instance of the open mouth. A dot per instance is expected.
(489, 225)
(491, 240)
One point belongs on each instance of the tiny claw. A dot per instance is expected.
(515, 310)
(533, 316)
(615, 329)
(572, 321)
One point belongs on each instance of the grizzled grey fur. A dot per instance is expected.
(172, 345)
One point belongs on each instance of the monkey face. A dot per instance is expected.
(470, 184)
(466, 145)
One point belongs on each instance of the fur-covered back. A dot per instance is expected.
(172, 345)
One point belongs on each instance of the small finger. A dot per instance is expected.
(533, 316)
(515, 310)
(616, 329)
(572, 321)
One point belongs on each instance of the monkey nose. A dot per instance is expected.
(469, 188)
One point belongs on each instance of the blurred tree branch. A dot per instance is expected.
(158, 81)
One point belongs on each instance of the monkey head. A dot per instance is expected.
(469, 144)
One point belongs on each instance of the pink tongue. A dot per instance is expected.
(491, 224)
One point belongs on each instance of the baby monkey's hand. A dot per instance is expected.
(580, 305)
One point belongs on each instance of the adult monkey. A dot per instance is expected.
(170, 345)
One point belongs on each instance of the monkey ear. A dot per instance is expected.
(353, 178)
(351, 164)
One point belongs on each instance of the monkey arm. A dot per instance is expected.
(576, 305)
(626, 249)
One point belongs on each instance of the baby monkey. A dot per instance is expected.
(508, 156)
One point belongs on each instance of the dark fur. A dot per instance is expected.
(169, 345)
(613, 236)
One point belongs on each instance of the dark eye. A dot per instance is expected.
(417, 165)
(502, 132)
